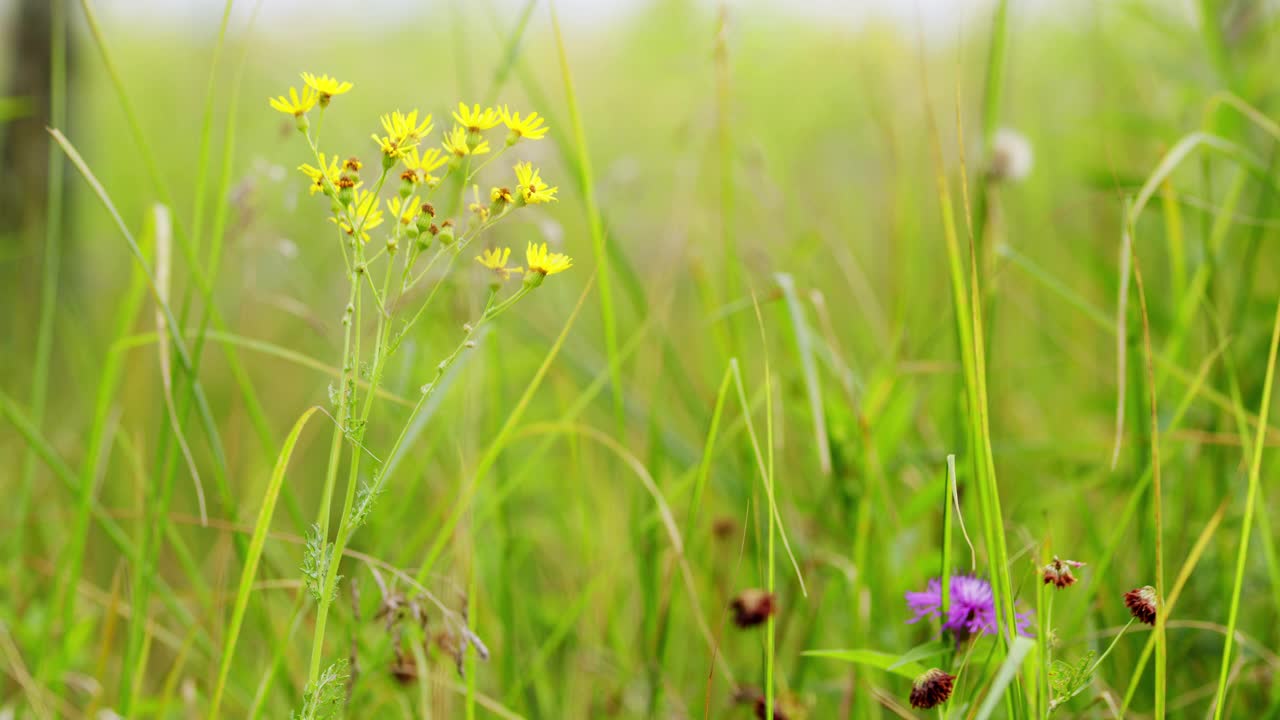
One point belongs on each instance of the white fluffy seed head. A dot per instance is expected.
(1011, 156)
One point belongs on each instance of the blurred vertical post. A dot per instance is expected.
(33, 202)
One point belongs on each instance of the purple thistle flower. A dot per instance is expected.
(972, 611)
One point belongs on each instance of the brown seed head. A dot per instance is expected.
(1142, 603)
(404, 668)
(1058, 572)
(932, 689)
(753, 607)
(724, 527)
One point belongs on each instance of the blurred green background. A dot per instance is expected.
(737, 152)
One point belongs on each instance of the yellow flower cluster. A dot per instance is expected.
(358, 211)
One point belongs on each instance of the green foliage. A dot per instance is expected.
(801, 285)
(323, 698)
(316, 556)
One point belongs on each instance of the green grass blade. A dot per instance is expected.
(1018, 651)
(812, 381)
(260, 528)
(586, 184)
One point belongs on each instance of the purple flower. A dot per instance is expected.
(973, 607)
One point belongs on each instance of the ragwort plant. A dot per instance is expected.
(389, 279)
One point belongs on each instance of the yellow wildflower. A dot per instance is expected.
(455, 141)
(326, 86)
(531, 187)
(403, 132)
(424, 163)
(531, 127)
(496, 260)
(501, 195)
(406, 210)
(295, 105)
(544, 263)
(475, 119)
(364, 211)
(329, 169)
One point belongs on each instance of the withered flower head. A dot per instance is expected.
(724, 527)
(932, 689)
(1142, 603)
(778, 712)
(404, 668)
(753, 607)
(1058, 572)
(748, 695)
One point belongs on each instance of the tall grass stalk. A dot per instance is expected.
(595, 224)
(1242, 556)
(1157, 495)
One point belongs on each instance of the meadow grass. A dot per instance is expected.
(816, 349)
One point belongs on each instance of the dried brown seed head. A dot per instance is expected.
(753, 607)
(932, 689)
(1143, 603)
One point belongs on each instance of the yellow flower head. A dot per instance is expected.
(475, 119)
(406, 210)
(403, 132)
(424, 163)
(455, 142)
(545, 263)
(326, 86)
(295, 105)
(531, 187)
(501, 195)
(330, 169)
(364, 211)
(531, 127)
(496, 260)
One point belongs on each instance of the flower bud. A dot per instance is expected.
(408, 179)
(446, 233)
(302, 122)
(392, 244)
